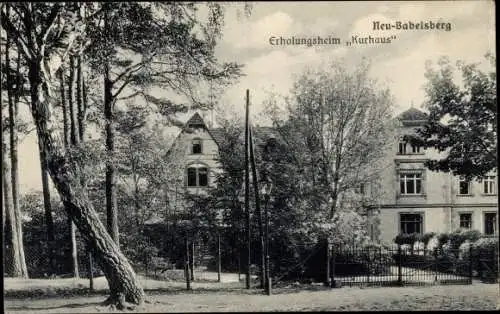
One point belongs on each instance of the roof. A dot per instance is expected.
(260, 133)
(196, 119)
(413, 114)
(217, 134)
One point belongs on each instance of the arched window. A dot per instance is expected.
(197, 175)
(196, 147)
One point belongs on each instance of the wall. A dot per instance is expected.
(440, 203)
(181, 157)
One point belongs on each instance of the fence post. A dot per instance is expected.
(91, 271)
(400, 275)
(369, 262)
(332, 280)
(435, 265)
(471, 269)
(186, 267)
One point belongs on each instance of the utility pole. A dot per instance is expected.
(258, 210)
(247, 192)
(268, 270)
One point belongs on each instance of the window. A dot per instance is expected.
(197, 176)
(466, 220)
(489, 185)
(464, 187)
(196, 146)
(411, 223)
(410, 183)
(402, 148)
(490, 223)
(360, 189)
(415, 149)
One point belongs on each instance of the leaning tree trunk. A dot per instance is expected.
(118, 271)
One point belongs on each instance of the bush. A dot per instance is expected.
(483, 256)
(460, 236)
(373, 259)
(426, 238)
(409, 239)
(443, 238)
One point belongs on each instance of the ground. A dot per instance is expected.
(232, 297)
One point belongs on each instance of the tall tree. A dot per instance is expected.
(462, 120)
(337, 126)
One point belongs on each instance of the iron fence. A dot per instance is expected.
(395, 266)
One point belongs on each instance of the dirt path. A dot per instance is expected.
(458, 297)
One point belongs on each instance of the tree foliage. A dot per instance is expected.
(336, 126)
(462, 120)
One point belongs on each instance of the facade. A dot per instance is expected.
(412, 198)
(193, 157)
(415, 199)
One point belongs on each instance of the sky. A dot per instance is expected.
(400, 65)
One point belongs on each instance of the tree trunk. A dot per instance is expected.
(11, 192)
(48, 210)
(13, 262)
(111, 211)
(79, 96)
(15, 172)
(72, 103)
(64, 107)
(118, 271)
(74, 249)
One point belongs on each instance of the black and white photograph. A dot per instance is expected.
(267, 156)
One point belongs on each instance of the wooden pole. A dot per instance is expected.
(258, 210)
(247, 186)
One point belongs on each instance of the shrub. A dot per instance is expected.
(461, 235)
(483, 258)
(426, 237)
(373, 259)
(433, 243)
(409, 239)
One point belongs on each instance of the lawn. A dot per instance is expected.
(169, 296)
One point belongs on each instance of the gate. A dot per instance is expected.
(395, 266)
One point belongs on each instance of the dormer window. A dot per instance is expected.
(196, 147)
